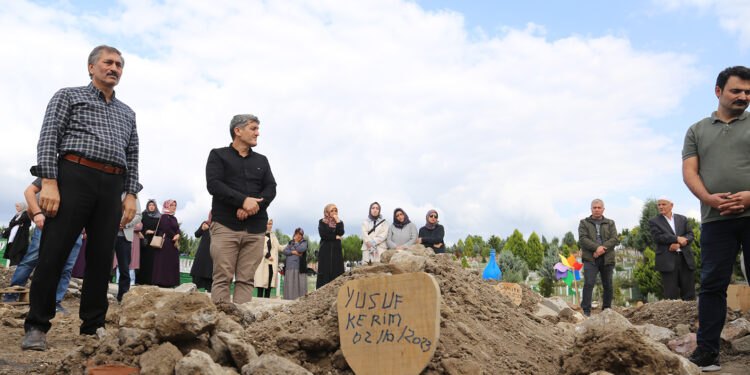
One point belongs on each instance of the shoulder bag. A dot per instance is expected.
(157, 241)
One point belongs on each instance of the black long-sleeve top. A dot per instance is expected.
(231, 178)
(430, 238)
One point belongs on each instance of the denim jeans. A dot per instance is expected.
(31, 259)
(720, 243)
(590, 270)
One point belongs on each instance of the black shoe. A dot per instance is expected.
(705, 360)
(34, 339)
(61, 309)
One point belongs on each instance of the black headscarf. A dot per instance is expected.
(152, 214)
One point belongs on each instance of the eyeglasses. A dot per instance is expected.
(433, 216)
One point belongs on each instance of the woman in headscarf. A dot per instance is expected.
(17, 234)
(402, 233)
(167, 259)
(203, 266)
(374, 234)
(431, 234)
(295, 266)
(149, 219)
(330, 255)
(265, 274)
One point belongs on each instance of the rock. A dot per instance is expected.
(543, 311)
(556, 304)
(133, 337)
(287, 343)
(606, 321)
(657, 333)
(273, 364)
(386, 256)
(113, 289)
(408, 261)
(735, 329)
(225, 324)
(198, 363)
(234, 312)
(681, 330)
(566, 328)
(742, 345)
(160, 359)
(420, 250)
(220, 349)
(684, 345)
(174, 316)
(241, 352)
(186, 288)
(569, 315)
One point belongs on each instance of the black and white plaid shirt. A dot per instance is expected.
(79, 121)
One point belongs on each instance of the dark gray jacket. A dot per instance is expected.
(587, 239)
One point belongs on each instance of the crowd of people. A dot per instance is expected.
(87, 177)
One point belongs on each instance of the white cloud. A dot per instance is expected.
(362, 101)
(732, 14)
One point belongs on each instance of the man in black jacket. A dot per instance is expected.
(674, 257)
(597, 236)
(242, 186)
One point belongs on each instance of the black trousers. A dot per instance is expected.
(88, 198)
(590, 270)
(123, 248)
(266, 292)
(680, 283)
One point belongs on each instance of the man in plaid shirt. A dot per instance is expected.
(87, 156)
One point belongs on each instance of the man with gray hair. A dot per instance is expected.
(597, 236)
(87, 158)
(242, 186)
(672, 235)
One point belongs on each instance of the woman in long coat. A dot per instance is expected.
(265, 275)
(17, 234)
(330, 255)
(149, 219)
(202, 270)
(166, 272)
(295, 266)
(374, 235)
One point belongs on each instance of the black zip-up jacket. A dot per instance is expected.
(231, 178)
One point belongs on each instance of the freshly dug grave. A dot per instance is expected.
(481, 330)
(670, 313)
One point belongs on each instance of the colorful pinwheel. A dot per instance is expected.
(568, 270)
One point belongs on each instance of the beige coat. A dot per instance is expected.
(261, 274)
(379, 235)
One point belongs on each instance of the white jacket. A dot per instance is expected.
(379, 235)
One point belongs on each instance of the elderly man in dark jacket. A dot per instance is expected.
(674, 257)
(597, 236)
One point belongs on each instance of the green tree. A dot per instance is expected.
(352, 246)
(312, 250)
(546, 287)
(534, 251)
(512, 264)
(186, 245)
(569, 239)
(469, 247)
(496, 243)
(565, 250)
(551, 257)
(516, 244)
(642, 239)
(696, 246)
(283, 238)
(647, 277)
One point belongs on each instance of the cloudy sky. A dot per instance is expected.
(500, 115)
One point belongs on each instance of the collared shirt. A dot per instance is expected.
(671, 223)
(723, 151)
(230, 178)
(79, 121)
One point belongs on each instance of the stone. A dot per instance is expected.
(655, 332)
(408, 261)
(569, 315)
(735, 329)
(742, 345)
(220, 349)
(386, 256)
(198, 363)
(606, 321)
(420, 250)
(132, 337)
(683, 345)
(160, 359)
(556, 304)
(241, 352)
(186, 288)
(225, 324)
(681, 329)
(543, 311)
(272, 364)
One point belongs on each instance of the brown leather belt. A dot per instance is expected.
(94, 164)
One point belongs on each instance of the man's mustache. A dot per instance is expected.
(113, 73)
(740, 102)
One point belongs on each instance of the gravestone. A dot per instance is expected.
(512, 290)
(389, 324)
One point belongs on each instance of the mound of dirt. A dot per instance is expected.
(481, 330)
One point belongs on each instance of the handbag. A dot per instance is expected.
(157, 241)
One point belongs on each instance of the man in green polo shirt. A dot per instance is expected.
(716, 168)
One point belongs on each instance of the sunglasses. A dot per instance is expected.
(433, 216)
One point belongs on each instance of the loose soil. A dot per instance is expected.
(482, 331)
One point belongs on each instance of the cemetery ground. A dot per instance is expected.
(482, 331)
